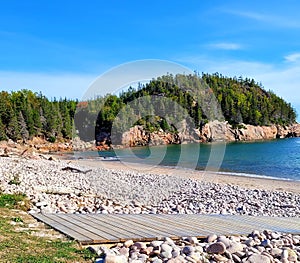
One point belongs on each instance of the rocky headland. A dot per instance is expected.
(210, 132)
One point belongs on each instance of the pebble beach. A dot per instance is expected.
(89, 186)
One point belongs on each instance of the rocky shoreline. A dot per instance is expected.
(257, 247)
(210, 132)
(61, 186)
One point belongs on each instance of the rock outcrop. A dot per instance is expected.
(210, 132)
(223, 131)
(138, 136)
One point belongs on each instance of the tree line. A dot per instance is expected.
(158, 105)
(206, 97)
(245, 101)
(25, 114)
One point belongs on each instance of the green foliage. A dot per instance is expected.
(19, 245)
(52, 139)
(168, 99)
(24, 114)
(245, 101)
(203, 98)
(11, 201)
(17, 219)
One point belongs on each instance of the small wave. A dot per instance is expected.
(259, 176)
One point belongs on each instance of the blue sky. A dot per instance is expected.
(60, 47)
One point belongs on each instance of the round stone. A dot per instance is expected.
(115, 259)
(216, 248)
(192, 240)
(187, 250)
(156, 243)
(166, 254)
(292, 257)
(128, 243)
(276, 252)
(211, 238)
(257, 258)
(226, 241)
(235, 247)
(140, 245)
(166, 248)
(266, 243)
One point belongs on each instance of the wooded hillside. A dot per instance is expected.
(24, 114)
(240, 100)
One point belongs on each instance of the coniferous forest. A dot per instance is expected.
(24, 114)
(241, 101)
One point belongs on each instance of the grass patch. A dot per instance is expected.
(17, 201)
(21, 246)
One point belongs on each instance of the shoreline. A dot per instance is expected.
(111, 187)
(218, 177)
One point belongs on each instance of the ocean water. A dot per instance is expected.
(278, 159)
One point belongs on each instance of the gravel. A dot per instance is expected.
(53, 188)
(59, 186)
(202, 250)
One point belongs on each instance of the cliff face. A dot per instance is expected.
(137, 136)
(212, 131)
(222, 131)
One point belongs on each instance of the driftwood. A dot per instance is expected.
(75, 170)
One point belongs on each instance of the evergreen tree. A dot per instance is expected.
(12, 130)
(22, 127)
(2, 131)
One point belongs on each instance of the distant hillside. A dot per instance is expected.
(245, 101)
(24, 114)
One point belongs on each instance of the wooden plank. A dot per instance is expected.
(279, 224)
(138, 233)
(99, 228)
(180, 226)
(141, 221)
(87, 229)
(188, 228)
(157, 234)
(171, 221)
(203, 225)
(63, 229)
(102, 225)
(247, 225)
(148, 220)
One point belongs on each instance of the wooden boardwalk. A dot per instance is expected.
(99, 229)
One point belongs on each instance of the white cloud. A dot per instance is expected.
(51, 85)
(295, 57)
(278, 21)
(226, 46)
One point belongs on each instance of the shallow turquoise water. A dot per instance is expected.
(276, 158)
